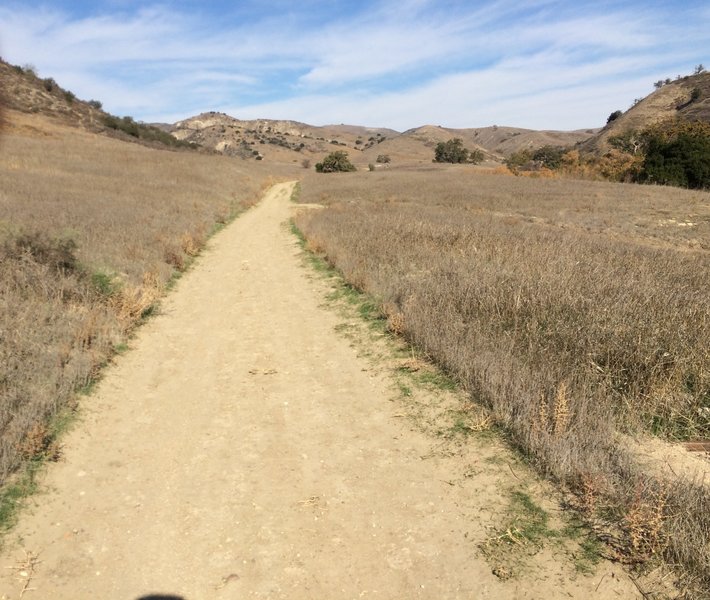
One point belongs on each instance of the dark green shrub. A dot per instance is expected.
(616, 114)
(549, 156)
(335, 162)
(451, 151)
(683, 161)
(95, 104)
(69, 96)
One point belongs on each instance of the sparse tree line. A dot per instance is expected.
(675, 152)
(699, 70)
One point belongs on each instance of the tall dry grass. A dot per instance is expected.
(556, 310)
(91, 232)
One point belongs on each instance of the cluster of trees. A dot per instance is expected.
(674, 152)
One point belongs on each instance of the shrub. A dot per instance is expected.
(476, 156)
(58, 254)
(616, 114)
(451, 151)
(95, 104)
(683, 161)
(383, 159)
(49, 84)
(549, 156)
(519, 160)
(69, 96)
(335, 162)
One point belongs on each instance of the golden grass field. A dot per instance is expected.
(577, 312)
(92, 229)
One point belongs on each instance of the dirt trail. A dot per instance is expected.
(242, 450)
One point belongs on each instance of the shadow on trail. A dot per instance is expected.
(161, 597)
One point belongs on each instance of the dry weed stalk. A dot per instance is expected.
(395, 318)
(315, 245)
(644, 522)
(562, 412)
(35, 442)
(131, 301)
(589, 494)
(191, 244)
(541, 423)
(25, 571)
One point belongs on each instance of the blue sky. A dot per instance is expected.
(542, 64)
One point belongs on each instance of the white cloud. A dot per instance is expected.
(533, 63)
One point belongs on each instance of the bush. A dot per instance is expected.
(69, 96)
(451, 151)
(683, 161)
(616, 114)
(59, 254)
(95, 104)
(383, 159)
(335, 162)
(549, 156)
(476, 156)
(49, 84)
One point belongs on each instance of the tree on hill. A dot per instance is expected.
(335, 162)
(677, 153)
(614, 116)
(453, 151)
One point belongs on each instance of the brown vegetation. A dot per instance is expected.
(574, 310)
(91, 232)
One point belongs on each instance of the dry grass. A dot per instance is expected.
(91, 232)
(573, 310)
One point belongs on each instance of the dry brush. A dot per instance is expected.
(570, 323)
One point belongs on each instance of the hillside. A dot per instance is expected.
(289, 141)
(274, 140)
(25, 92)
(673, 99)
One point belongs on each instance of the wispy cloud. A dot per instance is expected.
(535, 63)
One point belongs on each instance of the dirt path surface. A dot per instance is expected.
(241, 449)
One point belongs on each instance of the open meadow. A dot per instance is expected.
(577, 312)
(92, 230)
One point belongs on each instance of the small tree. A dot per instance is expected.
(451, 151)
(614, 116)
(699, 70)
(335, 162)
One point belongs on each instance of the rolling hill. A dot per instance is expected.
(672, 99)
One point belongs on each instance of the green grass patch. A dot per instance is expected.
(23, 483)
